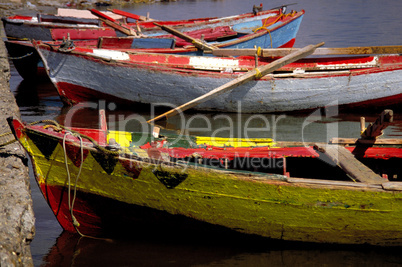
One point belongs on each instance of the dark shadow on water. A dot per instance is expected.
(176, 250)
(37, 99)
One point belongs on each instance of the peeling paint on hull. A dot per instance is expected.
(265, 205)
(80, 77)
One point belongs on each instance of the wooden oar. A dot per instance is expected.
(251, 75)
(375, 129)
(124, 28)
(131, 15)
(280, 52)
(343, 158)
(196, 42)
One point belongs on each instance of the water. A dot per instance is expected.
(339, 23)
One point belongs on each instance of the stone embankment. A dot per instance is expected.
(10, 7)
(17, 222)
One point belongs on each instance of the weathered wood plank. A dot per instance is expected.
(394, 186)
(355, 141)
(331, 183)
(196, 42)
(348, 163)
(281, 52)
(251, 75)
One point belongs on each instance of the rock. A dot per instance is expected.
(17, 222)
(30, 6)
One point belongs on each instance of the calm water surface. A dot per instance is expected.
(338, 23)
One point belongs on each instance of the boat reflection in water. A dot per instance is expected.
(71, 250)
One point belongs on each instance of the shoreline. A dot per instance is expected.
(17, 221)
(30, 7)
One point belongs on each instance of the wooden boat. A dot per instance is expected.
(98, 182)
(50, 27)
(275, 33)
(349, 81)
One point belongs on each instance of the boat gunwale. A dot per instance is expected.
(283, 73)
(267, 178)
(203, 22)
(320, 70)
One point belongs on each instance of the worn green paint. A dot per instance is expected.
(251, 204)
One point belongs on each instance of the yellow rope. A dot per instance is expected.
(8, 142)
(265, 26)
(9, 133)
(281, 16)
(258, 74)
(58, 126)
(259, 50)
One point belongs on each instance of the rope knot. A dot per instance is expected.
(258, 74)
(54, 127)
(259, 51)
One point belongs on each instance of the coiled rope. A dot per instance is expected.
(265, 25)
(66, 46)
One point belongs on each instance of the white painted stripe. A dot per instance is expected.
(370, 64)
(212, 63)
(110, 54)
(33, 20)
(68, 25)
(253, 18)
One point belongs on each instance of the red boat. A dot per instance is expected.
(126, 77)
(88, 26)
(280, 29)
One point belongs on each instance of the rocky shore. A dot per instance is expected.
(17, 222)
(10, 7)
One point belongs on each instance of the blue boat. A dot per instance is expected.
(276, 31)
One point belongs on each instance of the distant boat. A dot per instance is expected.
(275, 31)
(100, 182)
(123, 77)
(82, 25)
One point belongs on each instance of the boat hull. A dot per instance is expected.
(378, 83)
(281, 34)
(161, 194)
(24, 28)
